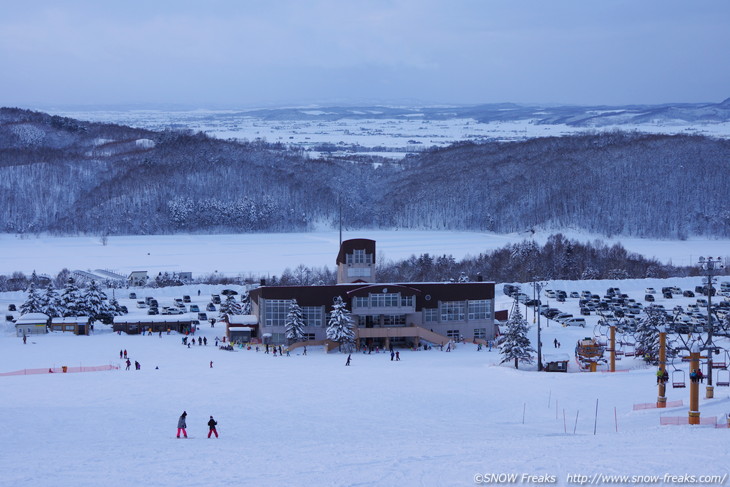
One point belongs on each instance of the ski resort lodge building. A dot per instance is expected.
(384, 314)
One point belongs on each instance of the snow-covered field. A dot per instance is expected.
(270, 254)
(400, 136)
(432, 419)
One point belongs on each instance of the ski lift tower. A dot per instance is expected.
(710, 266)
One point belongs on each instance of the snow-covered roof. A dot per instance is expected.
(240, 328)
(71, 319)
(555, 357)
(243, 320)
(30, 318)
(153, 319)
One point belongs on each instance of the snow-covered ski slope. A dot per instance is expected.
(434, 418)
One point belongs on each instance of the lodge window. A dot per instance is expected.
(480, 333)
(359, 257)
(430, 315)
(479, 309)
(276, 311)
(394, 320)
(381, 300)
(313, 315)
(452, 310)
(358, 271)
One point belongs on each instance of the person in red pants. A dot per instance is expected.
(181, 425)
(211, 425)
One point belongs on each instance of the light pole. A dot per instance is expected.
(710, 266)
(536, 288)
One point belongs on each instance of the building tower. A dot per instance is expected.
(356, 261)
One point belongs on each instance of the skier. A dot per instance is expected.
(125, 353)
(555, 343)
(181, 425)
(211, 424)
(120, 354)
(349, 358)
(211, 364)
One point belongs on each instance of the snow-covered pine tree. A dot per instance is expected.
(245, 303)
(70, 299)
(647, 334)
(33, 303)
(514, 344)
(229, 307)
(51, 302)
(294, 324)
(94, 303)
(340, 326)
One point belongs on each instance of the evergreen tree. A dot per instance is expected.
(33, 304)
(294, 325)
(514, 344)
(70, 299)
(340, 327)
(229, 307)
(647, 334)
(94, 303)
(245, 303)
(51, 302)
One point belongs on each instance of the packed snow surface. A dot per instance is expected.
(271, 253)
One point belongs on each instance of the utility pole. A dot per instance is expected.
(536, 288)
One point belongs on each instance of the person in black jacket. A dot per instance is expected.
(211, 424)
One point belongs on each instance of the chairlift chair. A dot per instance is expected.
(723, 378)
(678, 379)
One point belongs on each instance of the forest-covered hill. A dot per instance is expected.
(66, 176)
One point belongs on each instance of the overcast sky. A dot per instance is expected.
(243, 53)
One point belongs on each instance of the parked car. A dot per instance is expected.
(210, 307)
(141, 304)
(186, 299)
(11, 307)
(194, 308)
(575, 322)
(574, 294)
(124, 309)
(179, 302)
(650, 290)
(649, 297)
(153, 311)
(132, 295)
(688, 294)
(202, 316)
(216, 298)
(667, 295)
(585, 311)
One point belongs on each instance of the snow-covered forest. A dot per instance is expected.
(105, 179)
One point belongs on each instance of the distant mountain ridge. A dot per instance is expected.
(578, 116)
(67, 176)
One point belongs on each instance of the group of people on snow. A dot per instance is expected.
(182, 426)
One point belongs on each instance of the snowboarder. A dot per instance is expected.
(211, 424)
(349, 358)
(181, 425)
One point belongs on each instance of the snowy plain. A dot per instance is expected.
(271, 253)
(432, 419)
